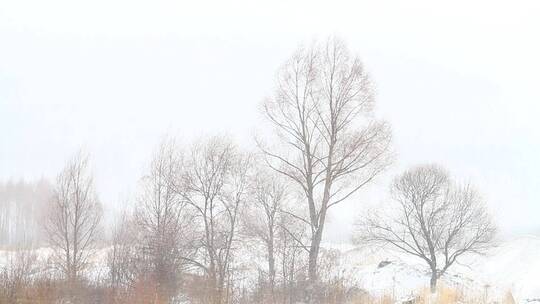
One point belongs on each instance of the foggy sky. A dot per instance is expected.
(458, 81)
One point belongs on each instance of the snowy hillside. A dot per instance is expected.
(512, 266)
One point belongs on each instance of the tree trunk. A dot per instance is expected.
(313, 276)
(314, 256)
(271, 270)
(433, 281)
(213, 288)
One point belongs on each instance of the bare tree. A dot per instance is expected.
(215, 186)
(437, 220)
(123, 259)
(73, 222)
(161, 220)
(330, 145)
(262, 218)
(291, 255)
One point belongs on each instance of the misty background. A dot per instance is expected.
(457, 81)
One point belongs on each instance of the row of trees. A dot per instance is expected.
(196, 209)
(203, 208)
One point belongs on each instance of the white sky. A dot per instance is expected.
(458, 80)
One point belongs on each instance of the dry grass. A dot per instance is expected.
(444, 295)
(145, 291)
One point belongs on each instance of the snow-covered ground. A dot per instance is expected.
(511, 266)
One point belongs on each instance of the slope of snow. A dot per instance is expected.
(511, 266)
(514, 265)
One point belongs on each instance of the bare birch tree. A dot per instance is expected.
(73, 221)
(330, 145)
(437, 220)
(215, 187)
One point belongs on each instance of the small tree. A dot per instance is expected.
(73, 222)
(262, 218)
(292, 255)
(160, 220)
(215, 187)
(436, 220)
(123, 258)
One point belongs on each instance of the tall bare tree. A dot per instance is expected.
(330, 145)
(215, 185)
(74, 216)
(437, 220)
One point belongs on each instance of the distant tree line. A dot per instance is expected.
(22, 204)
